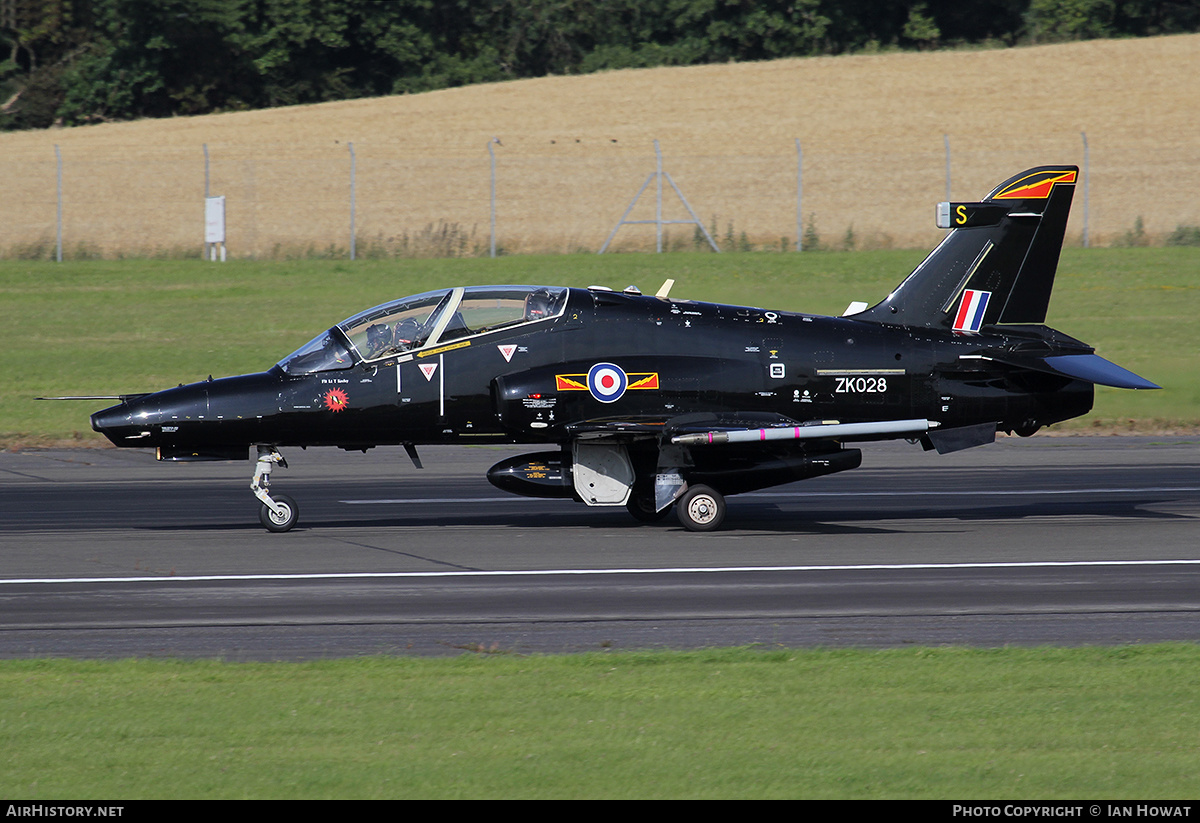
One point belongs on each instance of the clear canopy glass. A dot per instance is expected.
(424, 320)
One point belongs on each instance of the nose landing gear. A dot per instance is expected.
(278, 512)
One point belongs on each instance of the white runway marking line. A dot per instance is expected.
(204, 578)
(416, 501)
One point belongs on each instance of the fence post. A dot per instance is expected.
(59, 219)
(658, 201)
(799, 196)
(353, 169)
(205, 252)
(492, 159)
(946, 140)
(1086, 168)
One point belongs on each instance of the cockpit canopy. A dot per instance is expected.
(424, 320)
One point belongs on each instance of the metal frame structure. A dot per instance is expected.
(657, 175)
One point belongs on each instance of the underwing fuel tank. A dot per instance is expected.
(539, 474)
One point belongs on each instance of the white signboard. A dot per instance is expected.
(214, 219)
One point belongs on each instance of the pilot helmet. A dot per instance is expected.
(539, 304)
(379, 336)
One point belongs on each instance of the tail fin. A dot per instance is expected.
(996, 265)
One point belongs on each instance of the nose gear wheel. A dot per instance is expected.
(282, 517)
(278, 512)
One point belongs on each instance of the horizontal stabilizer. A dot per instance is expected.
(1090, 367)
(1095, 369)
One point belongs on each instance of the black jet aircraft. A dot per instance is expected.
(649, 402)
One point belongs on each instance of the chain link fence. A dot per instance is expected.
(291, 200)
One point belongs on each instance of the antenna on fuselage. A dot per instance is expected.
(662, 293)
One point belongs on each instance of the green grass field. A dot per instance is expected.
(110, 327)
(1012, 724)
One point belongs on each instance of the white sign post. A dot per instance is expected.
(214, 226)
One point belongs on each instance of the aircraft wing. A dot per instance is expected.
(676, 425)
(617, 427)
(717, 429)
(824, 430)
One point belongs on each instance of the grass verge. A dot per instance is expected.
(1036, 723)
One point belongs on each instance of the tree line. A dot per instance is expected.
(73, 62)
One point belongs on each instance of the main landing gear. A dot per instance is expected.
(278, 512)
(701, 509)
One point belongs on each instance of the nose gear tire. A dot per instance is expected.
(280, 522)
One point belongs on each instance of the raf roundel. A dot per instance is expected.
(607, 382)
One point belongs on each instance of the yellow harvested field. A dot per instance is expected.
(574, 151)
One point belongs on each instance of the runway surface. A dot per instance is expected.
(106, 553)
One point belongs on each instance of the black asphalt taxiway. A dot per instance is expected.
(1047, 540)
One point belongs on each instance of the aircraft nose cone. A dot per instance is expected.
(107, 420)
(122, 424)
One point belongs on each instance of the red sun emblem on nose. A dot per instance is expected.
(336, 400)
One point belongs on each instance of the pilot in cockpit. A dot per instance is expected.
(382, 339)
(379, 339)
(539, 304)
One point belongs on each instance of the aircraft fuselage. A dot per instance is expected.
(673, 358)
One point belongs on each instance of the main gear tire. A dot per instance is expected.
(701, 509)
(642, 509)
